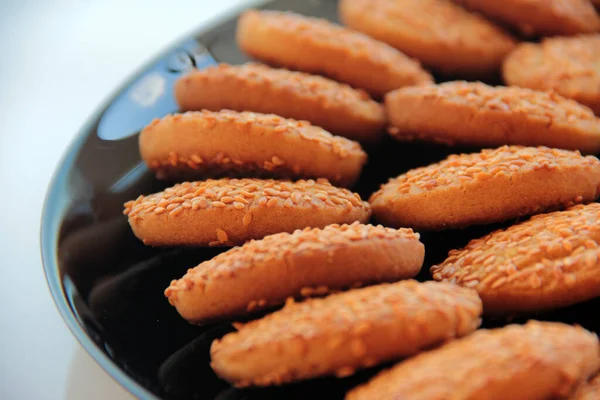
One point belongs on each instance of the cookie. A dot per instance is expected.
(200, 144)
(568, 65)
(549, 261)
(589, 390)
(231, 211)
(263, 273)
(317, 46)
(345, 332)
(476, 114)
(491, 186)
(335, 107)
(540, 17)
(535, 361)
(442, 35)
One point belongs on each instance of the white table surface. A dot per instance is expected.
(60, 60)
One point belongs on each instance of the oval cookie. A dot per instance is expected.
(442, 35)
(540, 17)
(231, 211)
(536, 361)
(345, 332)
(589, 390)
(200, 144)
(263, 273)
(551, 260)
(473, 113)
(317, 46)
(570, 66)
(490, 186)
(333, 106)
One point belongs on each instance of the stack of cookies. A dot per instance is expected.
(264, 157)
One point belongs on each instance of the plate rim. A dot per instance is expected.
(53, 208)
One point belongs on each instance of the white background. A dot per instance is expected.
(59, 60)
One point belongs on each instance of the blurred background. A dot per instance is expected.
(60, 60)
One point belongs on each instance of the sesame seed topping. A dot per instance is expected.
(335, 318)
(494, 162)
(329, 35)
(285, 126)
(547, 105)
(566, 64)
(546, 248)
(238, 194)
(465, 366)
(328, 91)
(282, 244)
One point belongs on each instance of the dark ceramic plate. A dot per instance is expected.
(109, 287)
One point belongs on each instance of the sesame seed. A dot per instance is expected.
(460, 170)
(344, 372)
(278, 245)
(176, 211)
(241, 193)
(172, 206)
(247, 219)
(544, 251)
(227, 199)
(252, 306)
(222, 235)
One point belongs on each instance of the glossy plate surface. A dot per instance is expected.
(109, 287)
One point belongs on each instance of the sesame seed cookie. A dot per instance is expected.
(345, 332)
(335, 107)
(490, 186)
(231, 211)
(317, 46)
(200, 144)
(551, 260)
(442, 35)
(477, 114)
(540, 17)
(568, 65)
(535, 361)
(263, 273)
(589, 390)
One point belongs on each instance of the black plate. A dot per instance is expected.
(109, 287)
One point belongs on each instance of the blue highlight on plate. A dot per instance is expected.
(151, 94)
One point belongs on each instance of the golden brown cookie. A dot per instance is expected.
(333, 106)
(317, 46)
(536, 361)
(551, 260)
(345, 332)
(200, 144)
(231, 211)
(263, 273)
(540, 17)
(589, 390)
(477, 114)
(442, 35)
(490, 186)
(570, 66)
